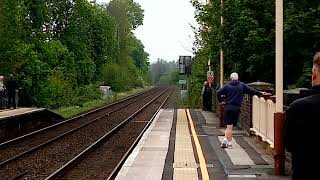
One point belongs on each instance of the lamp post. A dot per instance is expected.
(279, 150)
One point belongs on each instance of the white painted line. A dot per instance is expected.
(237, 154)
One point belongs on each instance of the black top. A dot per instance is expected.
(302, 132)
(11, 85)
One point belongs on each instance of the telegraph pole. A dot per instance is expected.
(221, 51)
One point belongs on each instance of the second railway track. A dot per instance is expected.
(45, 160)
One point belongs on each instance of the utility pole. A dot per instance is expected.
(279, 150)
(221, 51)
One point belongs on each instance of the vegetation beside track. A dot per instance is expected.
(71, 111)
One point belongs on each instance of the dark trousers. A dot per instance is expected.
(206, 103)
(12, 100)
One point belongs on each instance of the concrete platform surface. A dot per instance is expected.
(17, 112)
(147, 159)
(185, 144)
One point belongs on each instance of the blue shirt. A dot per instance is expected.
(233, 93)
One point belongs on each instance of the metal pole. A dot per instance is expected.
(221, 52)
(279, 149)
(279, 55)
(221, 73)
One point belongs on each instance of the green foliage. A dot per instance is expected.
(70, 111)
(164, 68)
(116, 75)
(59, 50)
(56, 93)
(139, 56)
(122, 78)
(247, 38)
(199, 75)
(169, 79)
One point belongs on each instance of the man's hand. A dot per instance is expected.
(266, 94)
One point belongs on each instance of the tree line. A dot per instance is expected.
(61, 51)
(164, 72)
(247, 38)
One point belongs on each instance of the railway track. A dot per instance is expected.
(66, 147)
(15, 148)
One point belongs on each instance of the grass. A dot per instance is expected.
(71, 111)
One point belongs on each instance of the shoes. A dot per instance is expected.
(226, 144)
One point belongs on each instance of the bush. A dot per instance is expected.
(122, 78)
(86, 93)
(114, 76)
(56, 93)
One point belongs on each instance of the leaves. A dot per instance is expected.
(247, 38)
(58, 50)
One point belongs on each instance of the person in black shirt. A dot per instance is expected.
(12, 87)
(301, 129)
(206, 96)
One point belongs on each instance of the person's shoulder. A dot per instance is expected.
(302, 102)
(242, 83)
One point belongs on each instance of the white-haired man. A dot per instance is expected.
(232, 94)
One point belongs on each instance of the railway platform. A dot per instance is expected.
(184, 144)
(10, 113)
(20, 121)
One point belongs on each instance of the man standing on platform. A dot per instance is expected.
(12, 88)
(232, 95)
(302, 129)
(206, 96)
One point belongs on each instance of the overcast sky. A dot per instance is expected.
(166, 31)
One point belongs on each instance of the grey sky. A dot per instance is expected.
(166, 31)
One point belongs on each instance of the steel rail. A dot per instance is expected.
(77, 117)
(62, 135)
(124, 158)
(99, 141)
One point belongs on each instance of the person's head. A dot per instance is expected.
(234, 76)
(316, 70)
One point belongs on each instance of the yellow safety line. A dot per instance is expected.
(203, 164)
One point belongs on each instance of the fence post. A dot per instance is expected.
(279, 150)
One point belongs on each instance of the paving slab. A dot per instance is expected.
(184, 154)
(148, 158)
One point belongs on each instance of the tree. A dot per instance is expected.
(248, 38)
(58, 50)
(129, 16)
(163, 71)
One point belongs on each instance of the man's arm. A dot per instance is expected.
(250, 90)
(220, 93)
